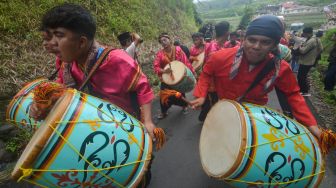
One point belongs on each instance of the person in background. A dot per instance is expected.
(183, 47)
(236, 69)
(309, 51)
(167, 54)
(319, 35)
(232, 41)
(197, 48)
(330, 75)
(222, 33)
(130, 42)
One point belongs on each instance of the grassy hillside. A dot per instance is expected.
(22, 58)
(217, 10)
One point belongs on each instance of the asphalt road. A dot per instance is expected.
(178, 164)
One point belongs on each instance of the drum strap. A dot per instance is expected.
(95, 66)
(266, 69)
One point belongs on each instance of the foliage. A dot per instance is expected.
(245, 20)
(318, 74)
(17, 143)
(23, 59)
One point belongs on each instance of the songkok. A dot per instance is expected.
(124, 36)
(266, 25)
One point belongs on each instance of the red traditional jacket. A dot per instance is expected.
(218, 68)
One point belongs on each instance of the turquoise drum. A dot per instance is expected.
(181, 79)
(18, 109)
(247, 145)
(285, 53)
(86, 142)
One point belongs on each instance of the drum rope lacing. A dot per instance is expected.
(28, 172)
(262, 169)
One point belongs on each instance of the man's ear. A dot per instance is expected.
(83, 42)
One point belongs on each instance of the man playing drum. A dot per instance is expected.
(196, 50)
(166, 55)
(70, 31)
(235, 70)
(222, 33)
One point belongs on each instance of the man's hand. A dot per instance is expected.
(316, 131)
(150, 129)
(167, 71)
(197, 103)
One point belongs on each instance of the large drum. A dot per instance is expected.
(253, 146)
(18, 109)
(198, 64)
(86, 142)
(181, 79)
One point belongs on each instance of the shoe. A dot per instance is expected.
(161, 115)
(306, 94)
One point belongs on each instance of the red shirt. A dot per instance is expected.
(114, 80)
(218, 68)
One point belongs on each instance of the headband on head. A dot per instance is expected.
(267, 25)
(163, 35)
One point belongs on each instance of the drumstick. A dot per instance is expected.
(185, 100)
(171, 73)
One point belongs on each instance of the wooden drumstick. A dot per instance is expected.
(185, 100)
(171, 73)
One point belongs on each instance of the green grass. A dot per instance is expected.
(22, 58)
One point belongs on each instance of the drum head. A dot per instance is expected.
(179, 71)
(221, 139)
(197, 64)
(42, 135)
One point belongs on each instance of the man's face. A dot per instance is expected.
(257, 47)
(65, 44)
(198, 41)
(165, 42)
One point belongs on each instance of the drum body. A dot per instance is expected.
(181, 79)
(18, 109)
(197, 65)
(253, 146)
(86, 142)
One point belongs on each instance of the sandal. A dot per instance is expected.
(161, 115)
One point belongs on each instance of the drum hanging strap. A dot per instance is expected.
(266, 69)
(96, 66)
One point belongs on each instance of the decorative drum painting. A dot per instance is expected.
(254, 146)
(86, 142)
(18, 109)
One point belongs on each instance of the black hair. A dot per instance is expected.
(164, 34)
(177, 43)
(222, 28)
(197, 35)
(70, 16)
(308, 30)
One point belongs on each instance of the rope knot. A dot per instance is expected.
(25, 173)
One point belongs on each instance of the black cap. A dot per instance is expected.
(308, 30)
(124, 36)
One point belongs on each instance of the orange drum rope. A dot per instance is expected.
(327, 140)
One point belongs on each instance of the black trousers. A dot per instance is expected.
(302, 78)
(172, 100)
(330, 77)
(210, 100)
